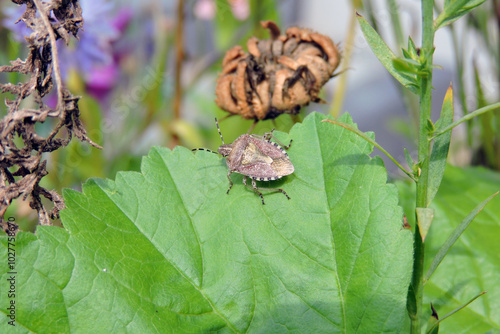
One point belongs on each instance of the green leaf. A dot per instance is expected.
(440, 147)
(471, 265)
(455, 9)
(424, 219)
(407, 66)
(434, 325)
(412, 49)
(429, 126)
(453, 237)
(385, 55)
(409, 160)
(167, 250)
(433, 322)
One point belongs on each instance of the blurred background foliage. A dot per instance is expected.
(126, 62)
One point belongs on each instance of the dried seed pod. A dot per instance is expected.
(278, 75)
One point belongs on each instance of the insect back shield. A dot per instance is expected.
(256, 157)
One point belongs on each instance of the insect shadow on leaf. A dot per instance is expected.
(256, 157)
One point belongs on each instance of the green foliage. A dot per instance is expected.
(166, 250)
(387, 57)
(455, 235)
(455, 9)
(415, 71)
(424, 219)
(471, 265)
(441, 146)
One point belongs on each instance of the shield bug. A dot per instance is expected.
(256, 157)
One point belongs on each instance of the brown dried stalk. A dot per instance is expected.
(277, 75)
(21, 168)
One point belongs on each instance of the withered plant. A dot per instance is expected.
(278, 75)
(21, 166)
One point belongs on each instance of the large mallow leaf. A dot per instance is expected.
(168, 251)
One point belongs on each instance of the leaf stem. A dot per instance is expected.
(455, 311)
(467, 117)
(371, 141)
(396, 22)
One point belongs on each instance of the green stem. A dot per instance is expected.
(396, 23)
(341, 86)
(423, 156)
(460, 77)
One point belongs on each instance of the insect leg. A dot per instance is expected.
(254, 188)
(270, 189)
(230, 181)
(269, 135)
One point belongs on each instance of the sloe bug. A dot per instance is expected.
(256, 157)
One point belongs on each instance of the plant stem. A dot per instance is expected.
(55, 56)
(396, 23)
(460, 78)
(423, 155)
(340, 88)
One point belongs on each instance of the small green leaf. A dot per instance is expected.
(412, 50)
(433, 319)
(385, 55)
(406, 54)
(455, 235)
(440, 147)
(409, 159)
(430, 126)
(453, 10)
(407, 66)
(424, 220)
(434, 328)
(411, 302)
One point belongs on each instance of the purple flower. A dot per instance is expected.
(19, 29)
(94, 46)
(206, 9)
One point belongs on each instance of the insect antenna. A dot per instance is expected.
(218, 129)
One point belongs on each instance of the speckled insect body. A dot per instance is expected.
(256, 157)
